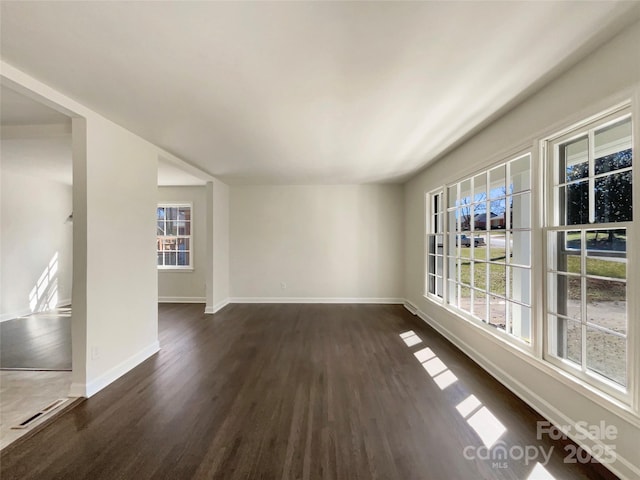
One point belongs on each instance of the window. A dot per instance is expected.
(174, 242)
(488, 251)
(589, 225)
(435, 240)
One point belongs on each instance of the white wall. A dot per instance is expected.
(187, 285)
(115, 279)
(121, 272)
(36, 244)
(220, 244)
(606, 77)
(323, 242)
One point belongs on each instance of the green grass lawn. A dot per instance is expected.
(598, 289)
(497, 273)
(597, 235)
(598, 266)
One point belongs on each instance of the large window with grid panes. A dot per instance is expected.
(588, 230)
(174, 236)
(488, 247)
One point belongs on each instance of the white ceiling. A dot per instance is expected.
(36, 141)
(303, 92)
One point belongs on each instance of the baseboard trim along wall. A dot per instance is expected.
(621, 467)
(11, 315)
(209, 310)
(94, 386)
(64, 303)
(376, 300)
(27, 311)
(182, 300)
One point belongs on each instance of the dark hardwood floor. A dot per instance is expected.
(290, 392)
(37, 342)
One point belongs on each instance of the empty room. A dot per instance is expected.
(319, 240)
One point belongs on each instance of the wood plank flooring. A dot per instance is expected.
(289, 392)
(41, 341)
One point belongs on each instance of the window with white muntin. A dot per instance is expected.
(589, 220)
(435, 245)
(174, 236)
(488, 250)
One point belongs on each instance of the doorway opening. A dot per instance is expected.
(36, 254)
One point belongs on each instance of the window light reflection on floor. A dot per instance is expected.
(479, 417)
(540, 473)
(436, 368)
(468, 405)
(424, 354)
(410, 338)
(445, 379)
(487, 426)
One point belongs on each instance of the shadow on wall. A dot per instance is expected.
(44, 294)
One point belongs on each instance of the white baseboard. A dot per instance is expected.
(63, 302)
(27, 311)
(77, 390)
(316, 300)
(182, 300)
(17, 314)
(94, 386)
(217, 307)
(622, 467)
(220, 305)
(411, 307)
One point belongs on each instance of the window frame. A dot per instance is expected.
(507, 196)
(553, 223)
(190, 266)
(625, 406)
(435, 226)
(502, 161)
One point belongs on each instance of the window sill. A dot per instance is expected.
(176, 269)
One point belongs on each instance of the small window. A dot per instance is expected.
(435, 240)
(174, 236)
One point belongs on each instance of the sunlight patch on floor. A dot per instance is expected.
(434, 366)
(410, 338)
(487, 426)
(445, 379)
(468, 405)
(479, 417)
(424, 354)
(540, 473)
